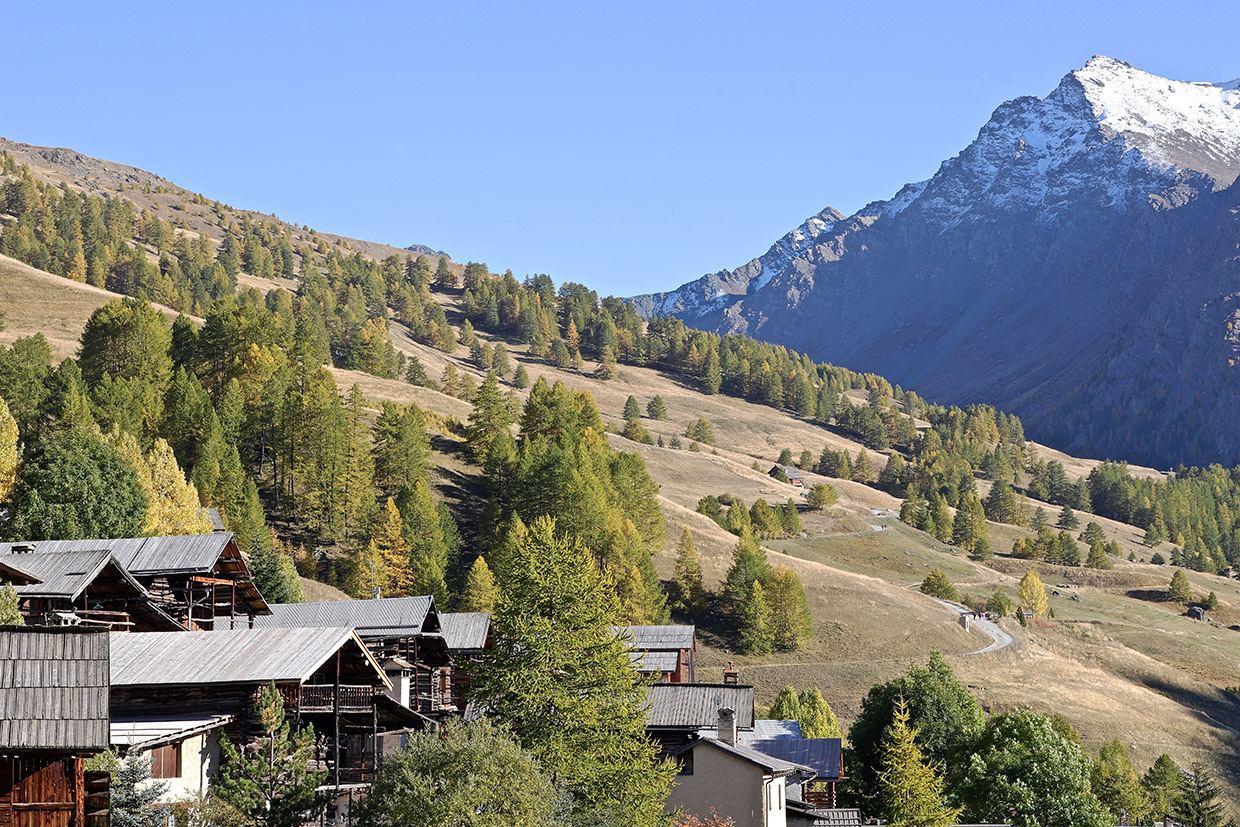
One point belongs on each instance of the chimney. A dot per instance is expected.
(727, 726)
(731, 675)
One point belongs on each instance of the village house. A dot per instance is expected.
(823, 755)
(736, 781)
(793, 475)
(175, 694)
(403, 633)
(199, 580)
(86, 588)
(666, 651)
(467, 635)
(678, 712)
(54, 697)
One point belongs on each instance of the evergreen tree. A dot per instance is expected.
(522, 378)
(415, 372)
(555, 649)
(133, 792)
(10, 607)
(401, 447)
(1179, 590)
(1067, 519)
(862, 470)
(606, 363)
(656, 409)
(748, 565)
(1098, 558)
(688, 595)
(274, 573)
(912, 787)
(754, 633)
(480, 593)
(1092, 534)
(1032, 594)
(790, 620)
(631, 409)
(270, 780)
(817, 719)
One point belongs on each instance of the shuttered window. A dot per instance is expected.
(166, 761)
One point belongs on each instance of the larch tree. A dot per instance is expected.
(822, 495)
(754, 635)
(564, 683)
(912, 787)
(790, 620)
(395, 576)
(688, 595)
(1032, 594)
(428, 554)
(1115, 782)
(817, 719)
(174, 507)
(480, 593)
(1162, 782)
(8, 452)
(1179, 590)
(489, 417)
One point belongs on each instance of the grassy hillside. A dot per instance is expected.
(1118, 661)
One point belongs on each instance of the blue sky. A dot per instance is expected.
(630, 146)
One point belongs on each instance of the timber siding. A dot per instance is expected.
(53, 690)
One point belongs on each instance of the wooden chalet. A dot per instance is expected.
(87, 588)
(14, 575)
(792, 474)
(199, 580)
(665, 651)
(54, 700)
(403, 633)
(467, 635)
(180, 685)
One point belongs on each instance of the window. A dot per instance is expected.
(166, 761)
(684, 764)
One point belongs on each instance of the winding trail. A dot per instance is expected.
(999, 639)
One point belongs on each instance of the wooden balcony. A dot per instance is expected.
(322, 698)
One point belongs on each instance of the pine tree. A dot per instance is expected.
(817, 719)
(270, 780)
(656, 409)
(631, 409)
(556, 610)
(274, 573)
(401, 446)
(688, 595)
(10, 607)
(132, 790)
(862, 470)
(480, 593)
(1032, 594)
(790, 620)
(1092, 534)
(1197, 804)
(1179, 590)
(1162, 783)
(748, 565)
(912, 788)
(1097, 558)
(754, 633)
(1067, 519)
(522, 378)
(8, 452)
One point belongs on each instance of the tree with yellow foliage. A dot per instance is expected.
(388, 538)
(1032, 594)
(173, 507)
(8, 452)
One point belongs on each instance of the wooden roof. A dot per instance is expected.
(206, 555)
(53, 689)
(66, 575)
(15, 575)
(385, 617)
(239, 656)
(660, 637)
(466, 631)
(697, 705)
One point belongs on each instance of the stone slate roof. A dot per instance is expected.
(53, 689)
(385, 617)
(697, 705)
(822, 754)
(465, 631)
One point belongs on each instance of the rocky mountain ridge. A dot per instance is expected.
(1075, 264)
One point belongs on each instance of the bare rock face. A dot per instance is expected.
(1078, 264)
